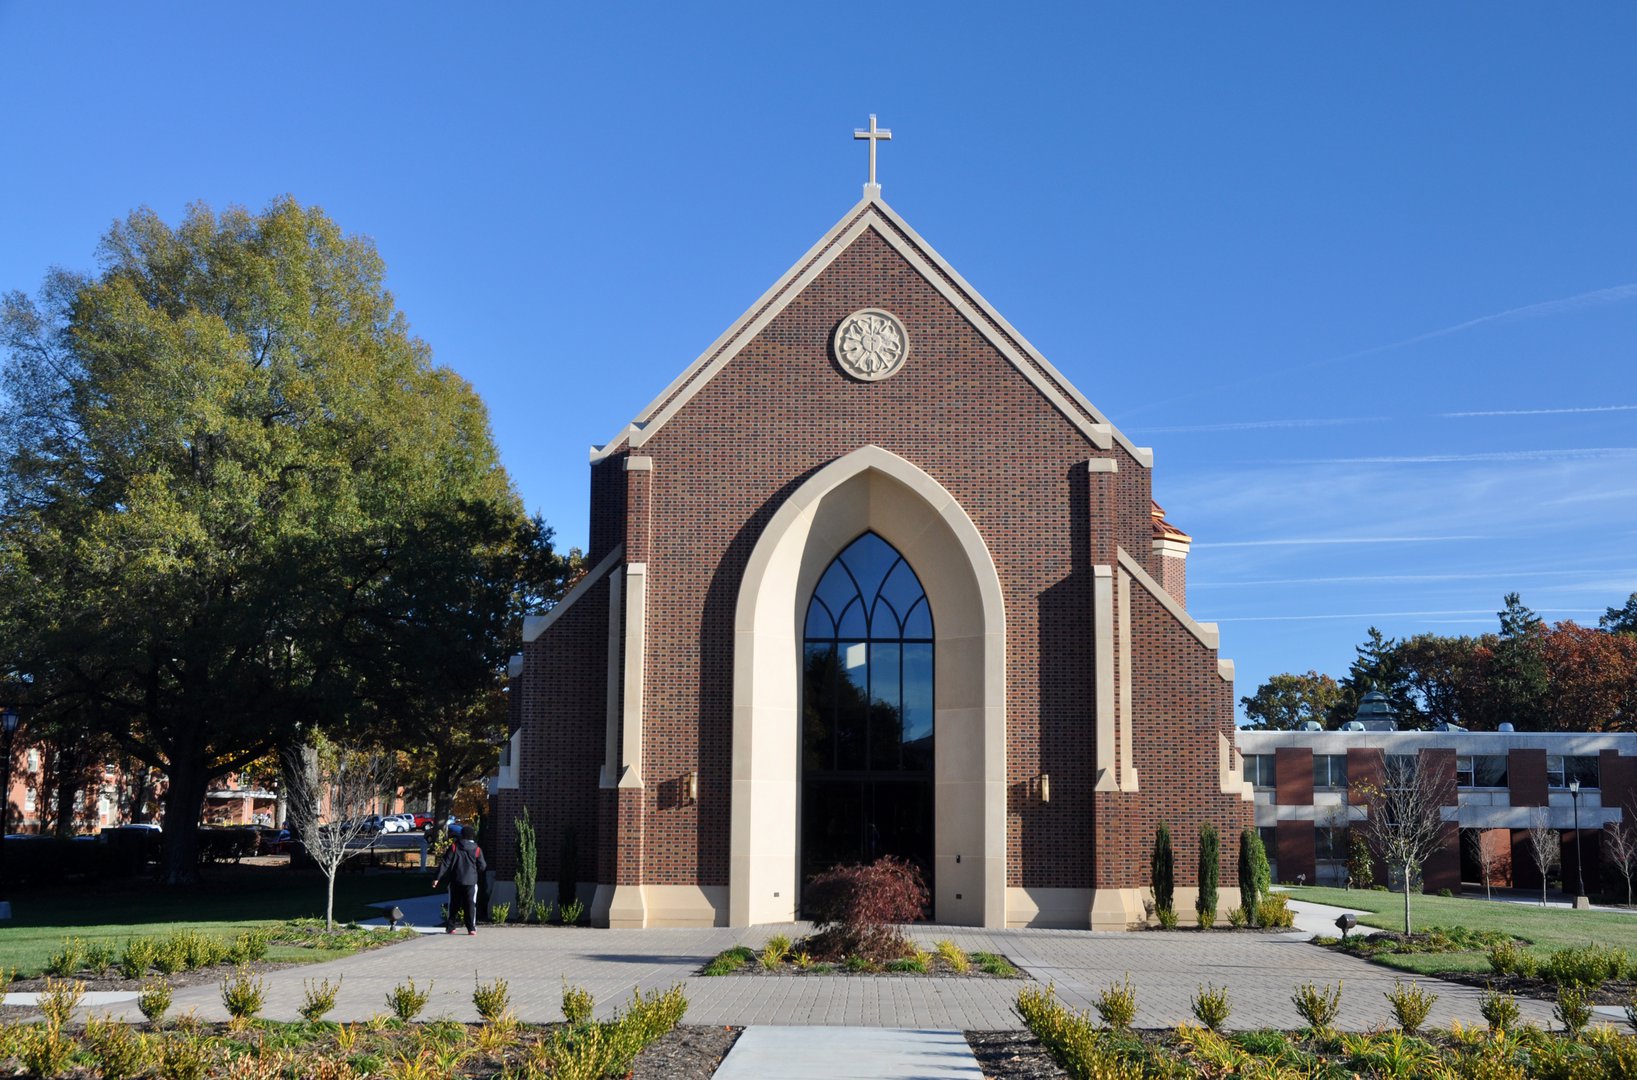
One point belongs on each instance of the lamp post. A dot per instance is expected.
(8, 721)
(1580, 900)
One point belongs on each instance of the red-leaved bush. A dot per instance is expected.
(858, 909)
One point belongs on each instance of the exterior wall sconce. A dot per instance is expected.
(690, 788)
(1045, 787)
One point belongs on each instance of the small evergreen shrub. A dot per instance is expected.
(528, 865)
(1211, 1006)
(572, 913)
(1210, 858)
(136, 958)
(774, 952)
(59, 1000)
(1162, 873)
(155, 999)
(1318, 1008)
(68, 959)
(499, 913)
(1254, 873)
(1500, 1011)
(46, 1051)
(1410, 1005)
(1273, 912)
(118, 1051)
(406, 1000)
(318, 998)
(100, 956)
(1590, 966)
(1167, 917)
(492, 1000)
(243, 996)
(1573, 1009)
(1361, 868)
(1236, 918)
(1117, 1004)
(577, 1004)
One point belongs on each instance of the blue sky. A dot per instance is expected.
(1365, 277)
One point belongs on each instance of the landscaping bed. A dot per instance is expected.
(782, 957)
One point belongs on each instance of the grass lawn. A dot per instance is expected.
(229, 900)
(1546, 929)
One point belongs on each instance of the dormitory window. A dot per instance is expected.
(1259, 770)
(1560, 769)
(1480, 770)
(1329, 770)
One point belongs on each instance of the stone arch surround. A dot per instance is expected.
(871, 488)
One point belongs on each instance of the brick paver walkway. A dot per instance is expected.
(1260, 971)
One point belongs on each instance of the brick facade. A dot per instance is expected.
(743, 438)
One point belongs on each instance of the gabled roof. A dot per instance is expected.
(871, 213)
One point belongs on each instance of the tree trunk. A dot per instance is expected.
(329, 898)
(68, 776)
(183, 799)
(1407, 929)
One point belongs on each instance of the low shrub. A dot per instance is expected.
(1167, 918)
(318, 998)
(954, 956)
(406, 1000)
(170, 955)
(1511, 958)
(1410, 1005)
(243, 995)
(250, 947)
(100, 956)
(68, 959)
(572, 912)
(1273, 912)
(46, 1051)
(917, 962)
(994, 964)
(728, 961)
(859, 907)
(1070, 1036)
(1500, 1011)
(118, 1051)
(155, 999)
(1236, 918)
(492, 1000)
(1318, 1008)
(1589, 966)
(1117, 1004)
(499, 913)
(59, 999)
(184, 1056)
(774, 952)
(1211, 1006)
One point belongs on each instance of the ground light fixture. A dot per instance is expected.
(1345, 922)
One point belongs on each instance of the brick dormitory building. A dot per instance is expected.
(1496, 786)
(872, 577)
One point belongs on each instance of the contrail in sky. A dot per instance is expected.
(1257, 425)
(1389, 615)
(1339, 540)
(1583, 454)
(1543, 412)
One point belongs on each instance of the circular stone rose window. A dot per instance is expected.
(871, 345)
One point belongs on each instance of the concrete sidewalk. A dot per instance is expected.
(829, 1053)
(1260, 971)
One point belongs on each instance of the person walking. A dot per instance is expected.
(461, 865)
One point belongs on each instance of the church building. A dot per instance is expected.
(871, 577)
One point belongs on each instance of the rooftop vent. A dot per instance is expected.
(1311, 725)
(1352, 725)
(1506, 727)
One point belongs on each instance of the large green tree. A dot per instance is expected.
(1518, 677)
(1286, 701)
(1621, 620)
(226, 468)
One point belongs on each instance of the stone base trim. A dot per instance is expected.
(1055, 909)
(1117, 909)
(635, 907)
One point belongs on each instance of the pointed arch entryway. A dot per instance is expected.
(870, 490)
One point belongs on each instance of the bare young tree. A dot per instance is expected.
(1404, 817)
(1484, 857)
(328, 806)
(1620, 844)
(1545, 845)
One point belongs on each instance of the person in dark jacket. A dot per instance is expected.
(461, 866)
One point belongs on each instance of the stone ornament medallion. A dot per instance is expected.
(871, 345)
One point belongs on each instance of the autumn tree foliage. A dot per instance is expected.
(860, 909)
(1537, 676)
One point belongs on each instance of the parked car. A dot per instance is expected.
(422, 821)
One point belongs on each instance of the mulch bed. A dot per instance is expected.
(114, 981)
(1614, 992)
(687, 1052)
(1013, 1055)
